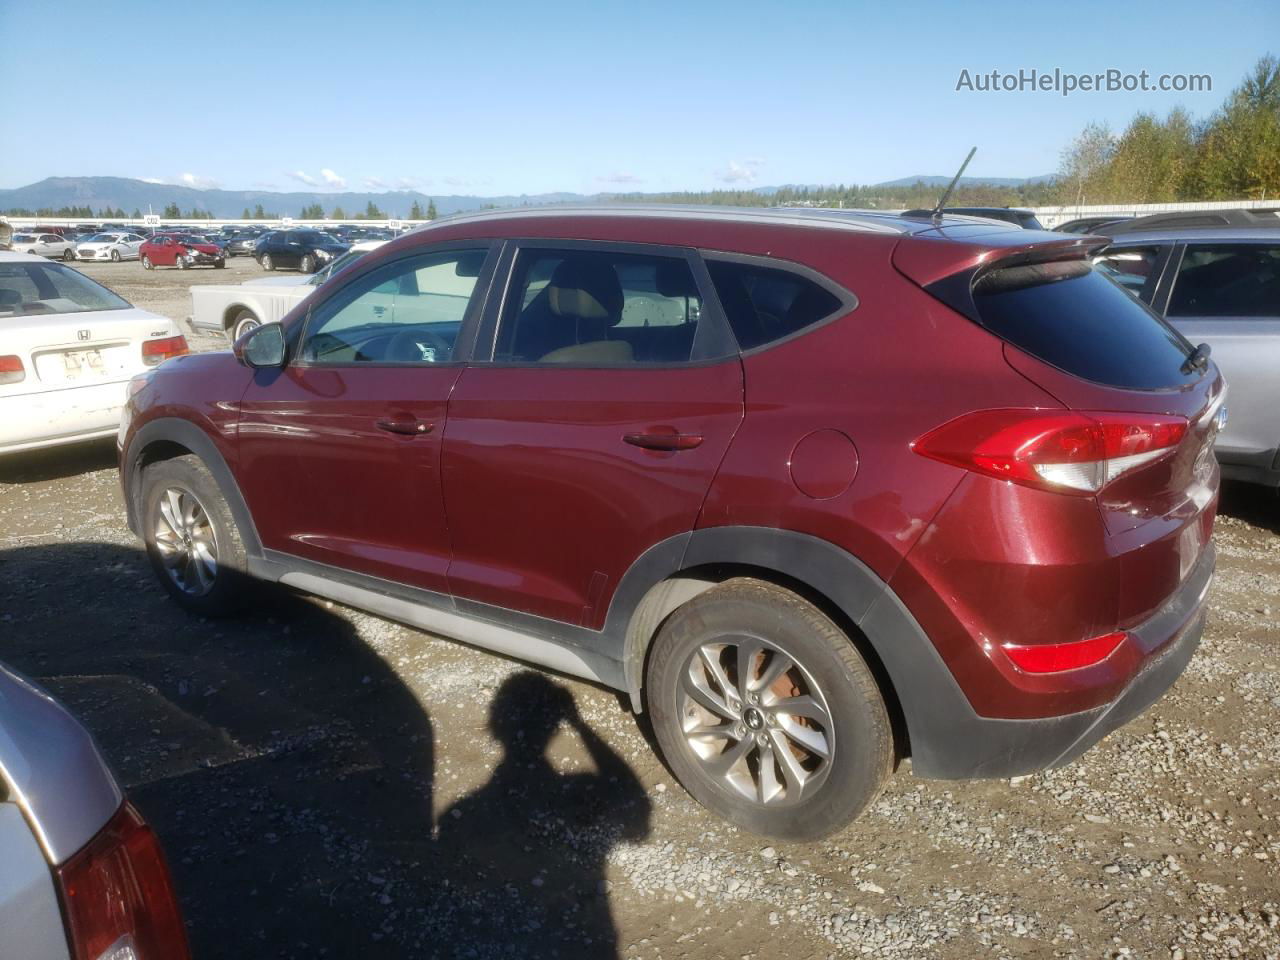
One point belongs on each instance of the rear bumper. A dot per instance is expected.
(949, 741)
(30, 421)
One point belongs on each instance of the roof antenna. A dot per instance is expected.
(942, 201)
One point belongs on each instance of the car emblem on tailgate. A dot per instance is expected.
(82, 334)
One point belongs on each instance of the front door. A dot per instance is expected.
(593, 433)
(340, 450)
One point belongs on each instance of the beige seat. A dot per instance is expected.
(584, 299)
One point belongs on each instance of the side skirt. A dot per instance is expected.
(436, 618)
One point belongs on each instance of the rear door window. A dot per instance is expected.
(1073, 316)
(1227, 280)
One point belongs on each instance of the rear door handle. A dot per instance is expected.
(663, 440)
(408, 428)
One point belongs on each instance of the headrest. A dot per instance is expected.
(585, 288)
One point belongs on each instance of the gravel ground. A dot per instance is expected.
(328, 783)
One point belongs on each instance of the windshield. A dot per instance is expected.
(32, 289)
(104, 238)
(315, 236)
(190, 239)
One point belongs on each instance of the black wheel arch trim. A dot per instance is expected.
(187, 434)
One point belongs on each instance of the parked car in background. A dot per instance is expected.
(305, 250)
(1021, 218)
(181, 250)
(1090, 224)
(689, 457)
(82, 875)
(1219, 285)
(234, 309)
(68, 347)
(44, 245)
(240, 244)
(110, 246)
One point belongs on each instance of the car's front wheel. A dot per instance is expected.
(115, 256)
(146, 263)
(192, 539)
(219, 264)
(68, 255)
(243, 323)
(267, 263)
(183, 263)
(308, 264)
(766, 712)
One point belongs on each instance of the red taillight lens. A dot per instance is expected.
(117, 896)
(11, 370)
(1056, 657)
(1070, 452)
(156, 351)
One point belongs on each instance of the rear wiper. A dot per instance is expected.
(1198, 360)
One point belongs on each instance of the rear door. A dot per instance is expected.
(1228, 296)
(340, 450)
(594, 430)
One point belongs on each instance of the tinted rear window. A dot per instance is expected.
(1068, 314)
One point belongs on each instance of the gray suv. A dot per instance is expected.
(1217, 284)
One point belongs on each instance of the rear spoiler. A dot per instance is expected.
(948, 271)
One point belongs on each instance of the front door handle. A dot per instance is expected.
(663, 440)
(408, 428)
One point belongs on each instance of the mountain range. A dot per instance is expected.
(143, 195)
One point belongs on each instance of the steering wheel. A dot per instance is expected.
(418, 346)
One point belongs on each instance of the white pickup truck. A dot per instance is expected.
(233, 309)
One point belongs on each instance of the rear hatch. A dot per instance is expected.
(1101, 353)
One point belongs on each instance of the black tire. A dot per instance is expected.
(266, 262)
(229, 588)
(219, 264)
(146, 263)
(68, 255)
(244, 321)
(308, 264)
(739, 614)
(115, 256)
(183, 263)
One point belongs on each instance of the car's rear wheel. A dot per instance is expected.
(308, 264)
(146, 263)
(192, 539)
(243, 323)
(115, 256)
(267, 263)
(766, 712)
(68, 255)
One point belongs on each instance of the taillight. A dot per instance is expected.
(1056, 657)
(11, 370)
(1069, 452)
(117, 898)
(157, 351)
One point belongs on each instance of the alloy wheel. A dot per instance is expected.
(756, 719)
(186, 541)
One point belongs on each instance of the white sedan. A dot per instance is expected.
(110, 246)
(68, 348)
(234, 309)
(44, 245)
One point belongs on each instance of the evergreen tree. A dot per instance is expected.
(431, 209)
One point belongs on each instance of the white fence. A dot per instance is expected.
(1053, 216)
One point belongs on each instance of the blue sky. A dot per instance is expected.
(518, 97)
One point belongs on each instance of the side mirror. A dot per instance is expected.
(261, 347)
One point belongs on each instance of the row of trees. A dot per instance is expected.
(371, 212)
(72, 213)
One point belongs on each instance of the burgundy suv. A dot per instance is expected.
(818, 489)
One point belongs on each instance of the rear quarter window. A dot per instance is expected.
(1072, 316)
(765, 305)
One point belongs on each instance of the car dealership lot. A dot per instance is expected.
(299, 763)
